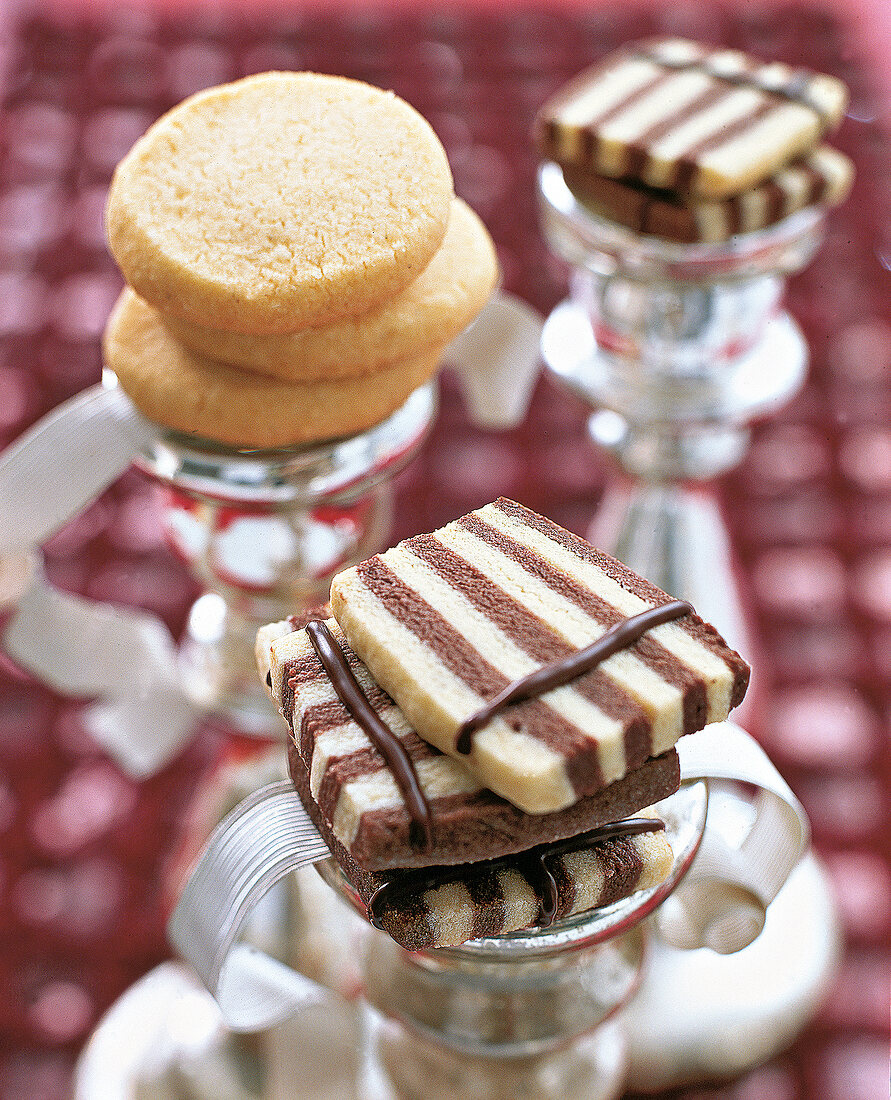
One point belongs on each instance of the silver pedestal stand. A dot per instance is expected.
(526, 1016)
(264, 532)
(677, 348)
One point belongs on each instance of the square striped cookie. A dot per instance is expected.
(446, 622)
(822, 177)
(681, 116)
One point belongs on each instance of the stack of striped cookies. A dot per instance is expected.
(296, 261)
(692, 144)
(478, 714)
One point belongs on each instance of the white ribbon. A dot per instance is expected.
(258, 843)
(741, 864)
(497, 360)
(123, 657)
(126, 658)
(65, 460)
(270, 834)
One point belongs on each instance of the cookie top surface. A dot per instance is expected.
(199, 397)
(679, 115)
(447, 621)
(433, 309)
(277, 201)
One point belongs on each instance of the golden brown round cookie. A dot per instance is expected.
(189, 393)
(278, 201)
(434, 309)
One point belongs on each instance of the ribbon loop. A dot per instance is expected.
(741, 865)
(258, 843)
(65, 460)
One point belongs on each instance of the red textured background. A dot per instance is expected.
(81, 846)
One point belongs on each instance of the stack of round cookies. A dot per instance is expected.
(296, 261)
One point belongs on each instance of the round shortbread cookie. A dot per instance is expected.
(178, 389)
(434, 309)
(280, 200)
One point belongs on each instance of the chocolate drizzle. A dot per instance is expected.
(562, 671)
(350, 693)
(533, 865)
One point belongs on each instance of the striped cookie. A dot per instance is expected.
(677, 115)
(448, 906)
(821, 178)
(447, 621)
(360, 799)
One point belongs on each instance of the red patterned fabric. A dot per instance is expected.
(82, 848)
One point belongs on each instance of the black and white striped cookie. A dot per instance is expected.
(677, 115)
(822, 177)
(446, 621)
(448, 906)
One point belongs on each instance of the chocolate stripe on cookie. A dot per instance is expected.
(537, 718)
(647, 649)
(487, 898)
(536, 638)
(702, 634)
(621, 865)
(571, 667)
(354, 698)
(635, 96)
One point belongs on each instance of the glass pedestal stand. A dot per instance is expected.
(520, 1016)
(677, 348)
(264, 532)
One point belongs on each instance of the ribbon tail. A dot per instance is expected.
(125, 658)
(96, 434)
